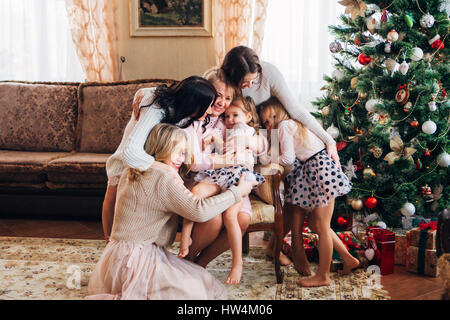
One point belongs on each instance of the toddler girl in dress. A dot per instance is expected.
(311, 186)
(240, 121)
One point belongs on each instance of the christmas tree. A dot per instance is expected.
(386, 105)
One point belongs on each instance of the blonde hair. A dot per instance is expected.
(216, 74)
(161, 143)
(247, 106)
(280, 115)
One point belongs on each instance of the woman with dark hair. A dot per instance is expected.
(261, 80)
(180, 104)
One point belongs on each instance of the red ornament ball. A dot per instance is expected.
(371, 202)
(414, 123)
(341, 221)
(341, 145)
(363, 59)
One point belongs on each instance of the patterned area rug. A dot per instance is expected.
(42, 268)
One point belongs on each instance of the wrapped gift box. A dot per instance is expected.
(400, 249)
(385, 242)
(422, 261)
(429, 240)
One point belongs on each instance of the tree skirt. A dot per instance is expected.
(43, 268)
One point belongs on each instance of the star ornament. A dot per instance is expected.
(354, 7)
(399, 151)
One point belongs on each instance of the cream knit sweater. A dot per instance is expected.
(147, 209)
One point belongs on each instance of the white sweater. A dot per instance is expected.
(273, 84)
(131, 149)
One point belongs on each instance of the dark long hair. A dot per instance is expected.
(189, 98)
(238, 62)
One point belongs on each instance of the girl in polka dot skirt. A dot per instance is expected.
(311, 186)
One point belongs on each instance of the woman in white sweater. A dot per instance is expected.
(180, 104)
(261, 80)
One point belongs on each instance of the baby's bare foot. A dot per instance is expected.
(235, 275)
(349, 264)
(184, 247)
(315, 281)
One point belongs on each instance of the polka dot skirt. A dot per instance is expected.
(226, 177)
(316, 181)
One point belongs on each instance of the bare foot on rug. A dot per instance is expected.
(315, 281)
(184, 247)
(349, 264)
(284, 260)
(301, 263)
(235, 274)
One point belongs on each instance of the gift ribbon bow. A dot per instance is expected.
(427, 226)
(347, 240)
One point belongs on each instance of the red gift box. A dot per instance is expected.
(385, 243)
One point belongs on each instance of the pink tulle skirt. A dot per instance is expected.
(128, 270)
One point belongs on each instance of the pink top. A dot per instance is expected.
(202, 161)
(290, 146)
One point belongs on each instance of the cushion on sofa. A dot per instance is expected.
(25, 166)
(38, 116)
(78, 169)
(104, 111)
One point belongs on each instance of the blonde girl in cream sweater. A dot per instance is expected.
(135, 263)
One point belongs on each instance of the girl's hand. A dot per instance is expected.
(207, 141)
(245, 186)
(332, 152)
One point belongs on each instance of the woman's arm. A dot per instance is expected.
(180, 200)
(280, 89)
(134, 154)
(108, 210)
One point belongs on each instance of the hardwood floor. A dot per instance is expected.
(401, 285)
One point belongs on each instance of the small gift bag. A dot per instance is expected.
(382, 241)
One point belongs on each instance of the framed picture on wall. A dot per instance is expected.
(165, 18)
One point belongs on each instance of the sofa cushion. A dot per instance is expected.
(78, 169)
(38, 116)
(104, 111)
(25, 166)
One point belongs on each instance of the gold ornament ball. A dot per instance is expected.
(363, 95)
(367, 172)
(325, 111)
(357, 204)
(353, 82)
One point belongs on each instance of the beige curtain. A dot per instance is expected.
(238, 22)
(95, 33)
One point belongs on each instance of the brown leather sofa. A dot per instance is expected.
(54, 142)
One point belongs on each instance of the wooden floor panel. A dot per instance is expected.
(401, 285)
